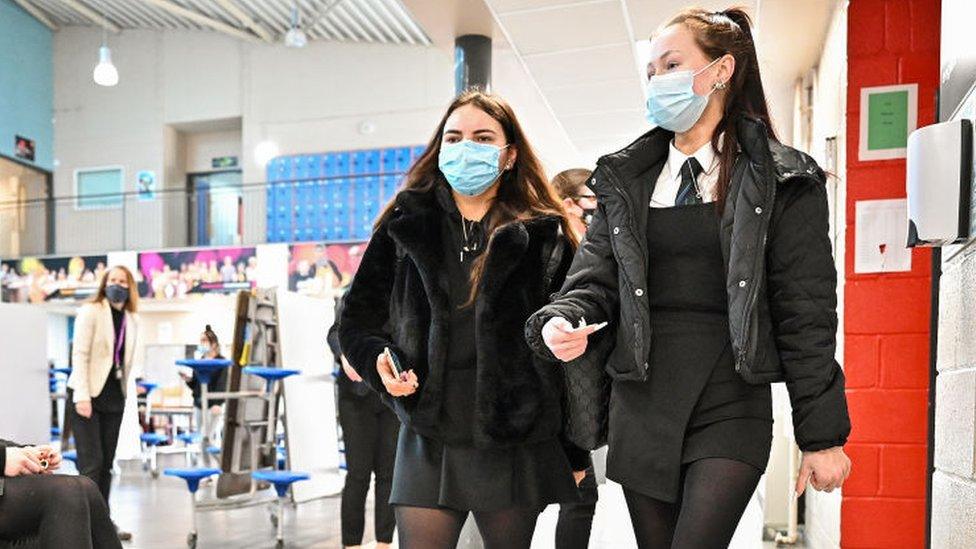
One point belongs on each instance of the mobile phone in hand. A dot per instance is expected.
(398, 370)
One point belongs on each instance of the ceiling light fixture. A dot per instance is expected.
(295, 37)
(105, 73)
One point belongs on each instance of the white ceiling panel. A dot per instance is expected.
(605, 124)
(646, 16)
(573, 26)
(505, 6)
(596, 97)
(584, 67)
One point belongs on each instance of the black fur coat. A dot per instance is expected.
(399, 299)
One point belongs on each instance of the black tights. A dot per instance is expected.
(714, 494)
(61, 510)
(425, 528)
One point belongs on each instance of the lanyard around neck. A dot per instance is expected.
(119, 341)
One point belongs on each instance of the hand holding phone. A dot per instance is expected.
(395, 380)
(565, 341)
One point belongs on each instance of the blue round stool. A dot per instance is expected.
(149, 386)
(270, 375)
(152, 440)
(192, 478)
(71, 455)
(205, 367)
(188, 438)
(281, 480)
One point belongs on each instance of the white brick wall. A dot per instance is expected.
(954, 512)
(954, 483)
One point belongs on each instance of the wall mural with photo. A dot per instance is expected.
(313, 268)
(40, 279)
(318, 269)
(174, 274)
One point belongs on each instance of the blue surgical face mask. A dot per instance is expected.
(202, 351)
(116, 293)
(672, 102)
(470, 168)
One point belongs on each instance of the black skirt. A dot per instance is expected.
(693, 406)
(429, 473)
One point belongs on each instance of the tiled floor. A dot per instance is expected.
(158, 513)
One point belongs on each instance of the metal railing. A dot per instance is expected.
(176, 217)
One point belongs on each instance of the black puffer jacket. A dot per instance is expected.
(780, 271)
(399, 300)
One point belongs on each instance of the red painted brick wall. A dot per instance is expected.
(886, 317)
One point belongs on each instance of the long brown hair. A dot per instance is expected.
(729, 32)
(523, 191)
(131, 304)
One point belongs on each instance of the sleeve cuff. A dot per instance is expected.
(579, 459)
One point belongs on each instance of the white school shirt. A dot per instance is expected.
(669, 181)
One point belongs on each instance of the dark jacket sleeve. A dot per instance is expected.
(363, 325)
(333, 336)
(4, 444)
(590, 290)
(802, 291)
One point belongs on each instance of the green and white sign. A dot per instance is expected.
(888, 115)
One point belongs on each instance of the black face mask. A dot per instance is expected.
(116, 293)
(588, 214)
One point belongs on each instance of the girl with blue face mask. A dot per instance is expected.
(434, 322)
(710, 259)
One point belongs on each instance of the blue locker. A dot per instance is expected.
(313, 166)
(342, 163)
(329, 168)
(373, 162)
(403, 159)
(294, 168)
(417, 151)
(271, 170)
(388, 161)
(360, 162)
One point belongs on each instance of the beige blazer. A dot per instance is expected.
(93, 350)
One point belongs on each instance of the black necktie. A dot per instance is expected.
(688, 191)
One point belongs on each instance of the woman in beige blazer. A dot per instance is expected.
(101, 359)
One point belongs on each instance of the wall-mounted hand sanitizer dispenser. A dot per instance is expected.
(940, 182)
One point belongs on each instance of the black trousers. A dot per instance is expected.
(95, 439)
(576, 519)
(369, 430)
(60, 510)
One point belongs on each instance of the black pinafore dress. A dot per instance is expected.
(693, 405)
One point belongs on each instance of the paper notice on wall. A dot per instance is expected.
(880, 236)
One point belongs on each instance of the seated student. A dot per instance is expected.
(208, 348)
(59, 510)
